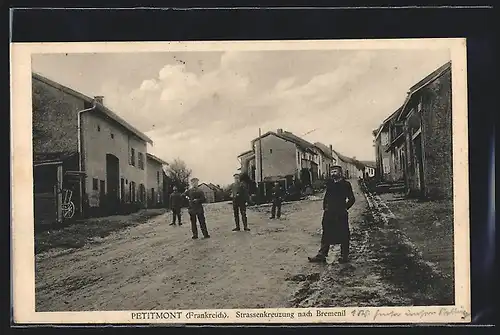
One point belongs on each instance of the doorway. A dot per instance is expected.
(419, 168)
(112, 182)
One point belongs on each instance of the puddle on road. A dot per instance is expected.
(381, 273)
(302, 277)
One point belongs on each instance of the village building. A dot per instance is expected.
(327, 158)
(389, 163)
(422, 136)
(218, 192)
(284, 157)
(369, 169)
(155, 180)
(280, 156)
(247, 163)
(211, 191)
(86, 159)
(349, 166)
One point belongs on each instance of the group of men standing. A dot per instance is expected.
(339, 198)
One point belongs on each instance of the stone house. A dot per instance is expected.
(385, 160)
(209, 190)
(425, 120)
(155, 180)
(327, 158)
(349, 166)
(247, 163)
(284, 157)
(369, 169)
(103, 157)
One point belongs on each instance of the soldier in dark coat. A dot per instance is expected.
(176, 206)
(277, 197)
(339, 198)
(239, 194)
(196, 199)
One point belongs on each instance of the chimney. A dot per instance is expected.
(331, 148)
(280, 131)
(99, 99)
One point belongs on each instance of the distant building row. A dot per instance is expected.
(414, 144)
(284, 157)
(85, 153)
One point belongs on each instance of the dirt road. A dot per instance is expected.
(157, 266)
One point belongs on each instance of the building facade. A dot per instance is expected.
(349, 166)
(282, 156)
(155, 181)
(327, 158)
(426, 119)
(385, 159)
(114, 160)
(103, 157)
(208, 191)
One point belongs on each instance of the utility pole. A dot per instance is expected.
(260, 156)
(260, 159)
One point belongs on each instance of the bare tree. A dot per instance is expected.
(179, 173)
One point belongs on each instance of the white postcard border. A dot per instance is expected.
(22, 223)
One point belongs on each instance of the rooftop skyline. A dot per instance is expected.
(206, 107)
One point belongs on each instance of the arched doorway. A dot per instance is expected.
(112, 183)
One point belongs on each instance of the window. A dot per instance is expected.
(158, 177)
(95, 184)
(385, 138)
(98, 128)
(132, 191)
(385, 165)
(140, 157)
(112, 135)
(142, 193)
(132, 156)
(270, 151)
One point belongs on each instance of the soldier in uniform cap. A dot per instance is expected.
(277, 197)
(338, 199)
(239, 193)
(196, 199)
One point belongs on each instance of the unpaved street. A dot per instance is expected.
(157, 266)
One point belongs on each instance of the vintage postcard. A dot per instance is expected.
(240, 182)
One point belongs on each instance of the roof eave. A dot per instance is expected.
(100, 107)
(123, 123)
(419, 86)
(157, 159)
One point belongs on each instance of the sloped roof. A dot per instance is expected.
(369, 163)
(343, 158)
(103, 109)
(431, 77)
(388, 119)
(210, 186)
(288, 136)
(324, 149)
(153, 157)
(423, 83)
(53, 156)
(245, 153)
(214, 187)
(300, 141)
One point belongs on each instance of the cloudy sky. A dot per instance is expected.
(206, 107)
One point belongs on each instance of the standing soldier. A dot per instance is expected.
(277, 196)
(239, 194)
(196, 199)
(176, 206)
(339, 198)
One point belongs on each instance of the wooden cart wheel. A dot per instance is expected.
(69, 210)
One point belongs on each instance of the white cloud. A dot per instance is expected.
(149, 85)
(207, 118)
